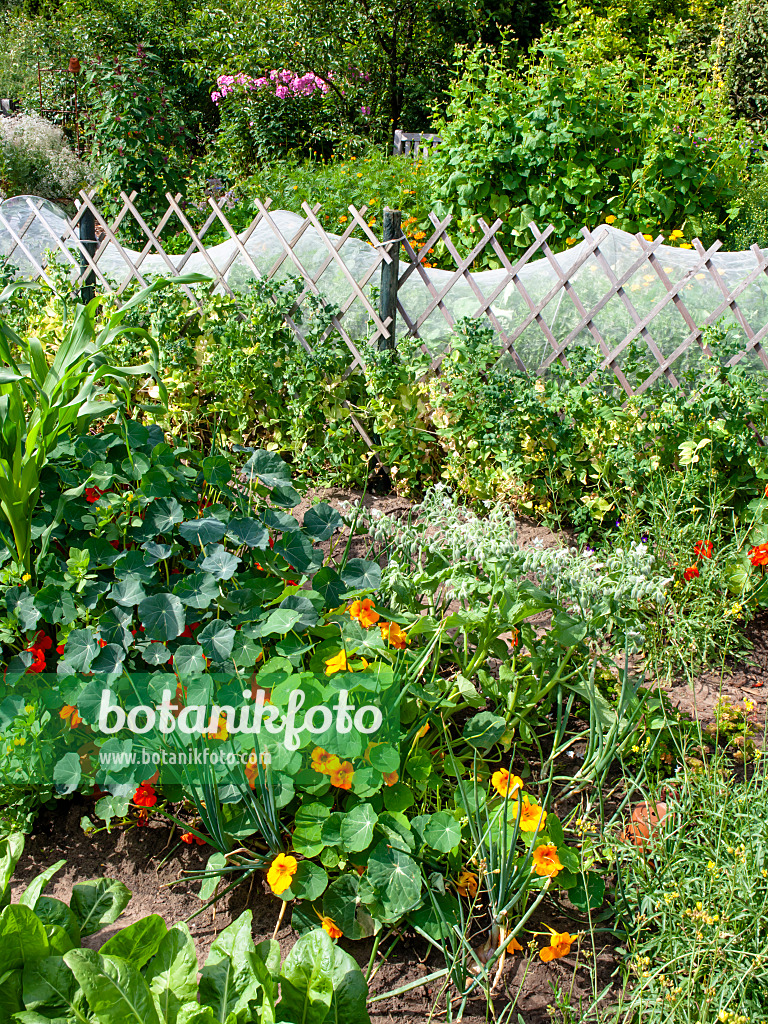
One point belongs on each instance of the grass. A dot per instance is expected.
(693, 901)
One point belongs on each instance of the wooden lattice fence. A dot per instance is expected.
(426, 297)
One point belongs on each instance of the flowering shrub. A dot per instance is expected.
(280, 112)
(36, 159)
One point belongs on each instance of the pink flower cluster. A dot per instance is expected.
(286, 83)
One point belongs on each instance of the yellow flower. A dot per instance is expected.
(648, 238)
(422, 731)
(26, 578)
(338, 663)
(532, 817)
(685, 245)
(677, 234)
(281, 872)
(546, 863)
(221, 732)
(570, 241)
(559, 945)
(610, 220)
(343, 219)
(323, 762)
(505, 783)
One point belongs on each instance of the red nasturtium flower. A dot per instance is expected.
(690, 573)
(758, 555)
(69, 713)
(703, 548)
(92, 494)
(145, 795)
(190, 837)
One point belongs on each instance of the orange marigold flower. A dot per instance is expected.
(394, 635)
(331, 928)
(281, 872)
(323, 762)
(338, 663)
(703, 548)
(546, 863)
(364, 612)
(758, 555)
(467, 884)
(505, 783)
(559, 945)
(341, 777)
(145, 795)
(690, 573)
(390, 778)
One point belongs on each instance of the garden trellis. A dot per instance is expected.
(641, 305)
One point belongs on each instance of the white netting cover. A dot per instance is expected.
(700, 293)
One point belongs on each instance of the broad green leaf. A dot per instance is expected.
(138, 942)
(10, 994)
(396, 880)
(80, 650)
(98, 903)
(484, 730)
(442, 832)
(350, 991)
(249, 532)
(588, 893)
(197, 590)
(50, 988)
(11, 848)
(216, 640)
(164, 514)
(357, 828)
(296, 548)
(128, 592)
(306, 988)
(360, 574)
(67, 773)
(202, 531)
(32, 892)
(220, 563)
(116, 992)
(162, 616)
(309, 882)
(55, 913)
(230, 979)
(22, 938)
(321, 521)
(172, 973)
(216, 470)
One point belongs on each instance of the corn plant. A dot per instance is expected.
(44, 400)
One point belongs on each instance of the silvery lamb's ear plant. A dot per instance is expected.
(44, 401)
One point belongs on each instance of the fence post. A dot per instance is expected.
(89, 243)
(390, 273)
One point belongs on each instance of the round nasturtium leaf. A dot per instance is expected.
(162, 616)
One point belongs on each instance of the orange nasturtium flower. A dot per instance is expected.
(759, 555)
(70, 712)
(515, 946)
(690, 573)
(390, 778)
(323, 762)
(467, 884)
(221, 732)
(703, 548)
(341, 776)
(251, 768)
(364, 612)
(505, 783)
(559, 945)
(281, 872)
(331, 928)
(422, 732)
(532, 817)
(394, 635)
(546, 863)
(338, 663)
